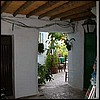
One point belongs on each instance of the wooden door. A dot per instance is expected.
(6, 64)
(90, 48)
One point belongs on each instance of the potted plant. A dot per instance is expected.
(40, 47)
(52, 62)
(52, 59)
(44, 74)
(69, 43)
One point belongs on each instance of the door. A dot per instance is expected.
(90, 48)
(6, 64)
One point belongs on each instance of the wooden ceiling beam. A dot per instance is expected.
(85, 13)
(69, 5)
(5, 5)
(41, 8)
(24, 6)
(2, 2)
(51, 11)
(75, 10)
(82, 18)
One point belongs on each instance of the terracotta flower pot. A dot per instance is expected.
(54, 70)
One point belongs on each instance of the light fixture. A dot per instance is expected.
(89, 25)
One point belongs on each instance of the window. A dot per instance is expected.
(40, 37)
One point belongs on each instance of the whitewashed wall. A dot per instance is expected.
(25, 41)
(26, 53)
(25, 59)
(6, 28)
(98, 32)
(76, 58)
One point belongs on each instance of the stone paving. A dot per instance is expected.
(58, 89)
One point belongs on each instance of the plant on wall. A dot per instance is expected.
(69, 43)
(40, 47)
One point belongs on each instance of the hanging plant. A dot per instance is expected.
(40, 47)
(68, 47)
(69, 43)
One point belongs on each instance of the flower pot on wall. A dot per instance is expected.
(68, 47)
(40, 47)
(69, 43)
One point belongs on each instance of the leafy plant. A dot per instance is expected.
(62, 50)
(53, 39)
(48, 61)
(69, 43)
(44, 74)
(52, 59)
(53, 45)
(40, 47)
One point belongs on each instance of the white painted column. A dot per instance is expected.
(97, 81)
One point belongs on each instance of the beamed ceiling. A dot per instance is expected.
(73, 10)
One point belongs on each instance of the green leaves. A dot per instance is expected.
(69, 43)
(40, 47)
(44, 74)
(55, 36)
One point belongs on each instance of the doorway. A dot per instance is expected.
(90, 52)
(43, 38)
(6, 64)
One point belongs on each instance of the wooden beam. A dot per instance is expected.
(75, 10)
(41, 8)
(24, 6)
(51, 11)
(5, 5)
(82, 18)
(67, 6)
(85, 13)
(2, 2)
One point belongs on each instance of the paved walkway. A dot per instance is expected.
(58, 89)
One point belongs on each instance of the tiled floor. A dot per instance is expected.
(58, 89)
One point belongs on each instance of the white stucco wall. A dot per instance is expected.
(6, 28)
(25, 41)
(25, 59)
(26, 53)
(76, 58)
(98, 32)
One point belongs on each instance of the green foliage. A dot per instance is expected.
(62, 50)
(69, 43)
(40, 47)
(44, 74)
(48, 61)
(56, 59)
(52, 59)
(54, 37)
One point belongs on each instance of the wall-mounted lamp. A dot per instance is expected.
(89, 26)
